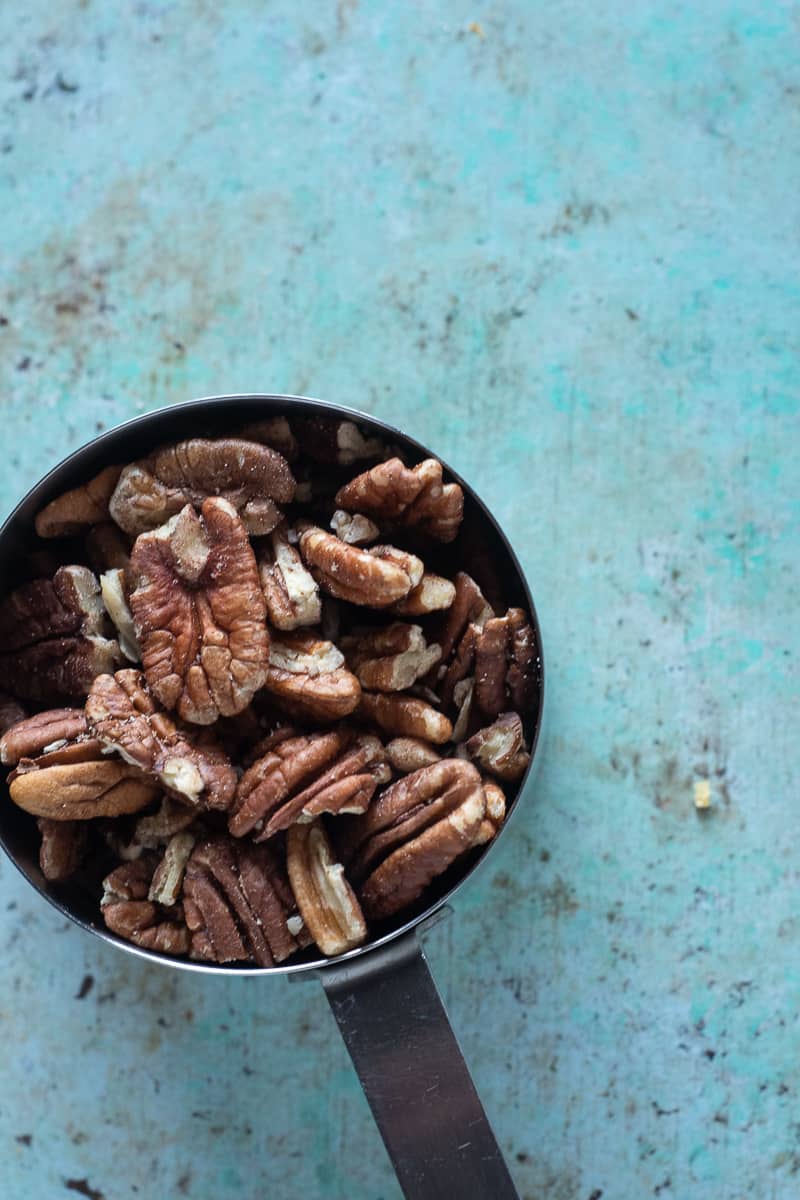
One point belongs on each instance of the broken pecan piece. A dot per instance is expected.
(122, 714)
(390, 659)
(250, 476)
(165, 886)
(412, 833)
(113, 588)
(354, 528)
(128, 913)
(407, 754)
(290, 591)
(326, 901)
(495, 812)
(432, 594)
(339, 442)
(407, 496)
(200, 613)
(275, 432)
(505, 664)
(500, 748)
(84, 505)
(235, 905)
(375, 577)
(406, 716)
(63, 848)
(469, 606)
(308, 676)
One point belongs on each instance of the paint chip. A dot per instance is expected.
(702, 794)
(476, 28)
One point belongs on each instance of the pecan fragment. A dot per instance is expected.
(165, 886)
(407, 754)
(114, 592)
(339, 442)
(200, 613)
(495, 812)
(128, 913)
(308, 676)
(406, 716)
(235, 904)
(84, 505)
(505, 664)
(275, 432)
(375, 577)
(412, 833)
(122, 714)
(326, 901)
(500, 748)
(469, 606)
(290, 591)
(408, 496)
(431, 594)
(63, 848)
(461, 666)
(354, 528)
(463, 694)
(391, 658)
(250, 476)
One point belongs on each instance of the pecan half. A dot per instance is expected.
(107, 548)
(84, 505)
(252, 477)
(326, 901)
(376, 577)
(495, 812)
(298, 778)
(34, 735)
(290, 590)
(505, 664)
(63, 848)
(500, 748)
(407, 754)
(51, 633)
(275, 432)
(339, 442)
(235, 904)
(432, 594)
(308, 676)
(407, 496)
(390, 659)
(200, 613)
(122, 714)
(128, 913)
(79, 790)
(113, 589)
(354, 528)
(412, 833)
(469, 606)
(406, 716)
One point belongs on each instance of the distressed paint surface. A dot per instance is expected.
(559, 242)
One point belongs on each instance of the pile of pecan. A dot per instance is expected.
(243, 711)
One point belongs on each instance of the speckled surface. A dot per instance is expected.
(559, 242)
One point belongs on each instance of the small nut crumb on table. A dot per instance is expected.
(243, 711)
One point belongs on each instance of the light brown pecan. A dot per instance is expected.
(505, 664)
(114, 590)
(469, 606)
(63, 848)
(290, 590)
(128, 913)
(250, 476)
(122, 715)
(463, 694)
(407, 496)
(495, 812)
(298, 778)
(51, 631)
(406, 716)
(235, 903)
(391, 658)
(84, 505)
(34, 735)
(79, 790)
(200, 613)
(375, 577)
(165, 886)
(339, 442)
(309, 678)
(432, 594)
(500, 748)
(412, 833)
(275, 432)
(354, 528)
(326, 901)
(407, 754)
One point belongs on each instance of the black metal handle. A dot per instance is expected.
(414, 1076)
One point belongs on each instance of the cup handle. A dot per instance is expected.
(413, 1073)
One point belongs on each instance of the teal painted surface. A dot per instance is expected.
(561, 246)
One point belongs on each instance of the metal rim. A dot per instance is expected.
(210, 404)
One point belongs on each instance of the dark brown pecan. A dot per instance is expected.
(407, 496)
(412, 833)
(250, 476)
(63, 848)
(235, 904)
(128, 913)
(375, 577)
(505, 664)
(200, 613)
(11, 712)
(495, 812)
(469, 606)
(461, 665)
(500, 748)
(84, 505)
(114, 590)
(290, 591)
(326, 901)
(51, 631)
(390, 659)
(406, 716)
(122, 714)
(340, 442)
(299, 778)
(407, 754)
(432, 594)
(107, 548)
(309, 678)
(275, 432)
(354, 528)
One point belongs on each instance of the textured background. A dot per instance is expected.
(559, 242)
